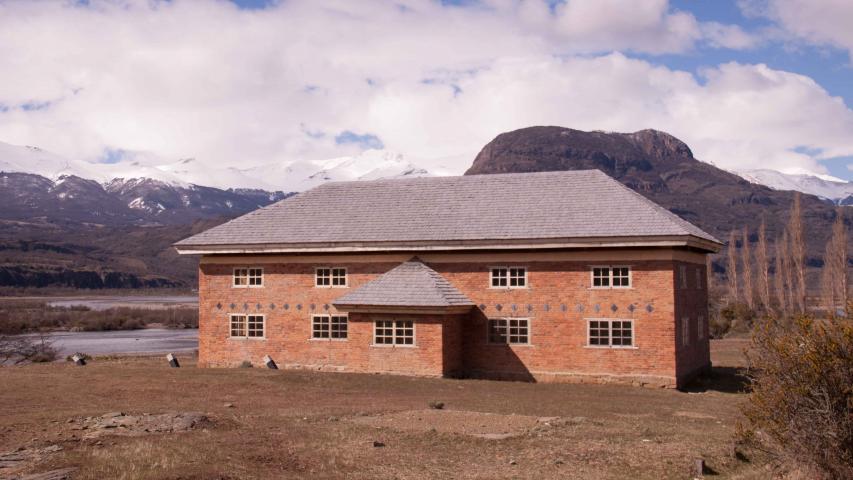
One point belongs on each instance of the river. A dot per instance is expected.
(123, 342)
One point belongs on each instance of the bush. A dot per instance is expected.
(733, 317)
(26, 348)
(30, 316)
(801, 405)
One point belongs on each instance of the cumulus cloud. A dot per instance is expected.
(822, 22)
(308, 80)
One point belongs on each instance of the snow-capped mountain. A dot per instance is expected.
(289, 176)
(825, 186)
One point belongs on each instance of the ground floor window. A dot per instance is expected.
(610, 333)
(513, 331)
(247, 326)
(333, 327)
(394, 332)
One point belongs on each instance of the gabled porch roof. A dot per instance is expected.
(410, 287)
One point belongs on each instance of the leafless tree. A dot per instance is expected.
(763, 266)
(834, 272)
(22, 348)
(746, 260)
(783, 251)
(779, 283)
(731, 268)
(798, 254)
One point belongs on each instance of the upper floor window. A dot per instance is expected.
(509, 277)
(685, 331)
(331, 277)
(248, 277)
(610, 333)
(699, 278)
(682, 274)
(607, 276)
(333, 327)
(247, 326)
(513, 331)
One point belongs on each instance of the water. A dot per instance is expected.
(149, 340)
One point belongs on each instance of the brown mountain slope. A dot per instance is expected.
(662, 168)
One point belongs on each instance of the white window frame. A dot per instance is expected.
(507, 320)
(509, 277)
(610, 321)
(329, 338)
(685, 331)
(394, 343)
(331, 277)
(610, 277)
(248, 277)
(245, 328)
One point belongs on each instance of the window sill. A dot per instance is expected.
(247, 286)
(610, 288)
(331, 286)
(384, 345)
(608, 347)
(522, 345)
(312, 339)
(243, 339)
(509, 288)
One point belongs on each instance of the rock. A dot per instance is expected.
(436, 405)
(333, 419)
(112, 415)
(52, 448)
(558, 462)
(513, 462)
(229, 405)
(377, 444)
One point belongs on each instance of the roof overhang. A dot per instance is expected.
(675, 241)
(404, 309)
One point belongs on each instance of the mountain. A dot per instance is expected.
(837, 190)
(662, 168)
(288, 176)
(67, 223)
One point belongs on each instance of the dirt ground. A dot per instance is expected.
(257, 423)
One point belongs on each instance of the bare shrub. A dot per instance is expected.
(746, 262)
(800, 409)
(26, 348)
(798, 254)
(737, 317)
(763, 267)
(30, 316)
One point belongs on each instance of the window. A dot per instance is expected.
(513, 331)
(394, 332)
(509, 277)
(685, 331)
(700, 327)
(331, 277)
(607, 276)
(332, 327)
(248, 277)
(247, 326)
(699, 278)
(611, 333)
(682, 273)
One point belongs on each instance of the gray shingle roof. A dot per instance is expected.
(545, 205)
(410, 284)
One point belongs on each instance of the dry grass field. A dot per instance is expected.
(299, 424)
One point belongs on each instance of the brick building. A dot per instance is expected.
(557, 276)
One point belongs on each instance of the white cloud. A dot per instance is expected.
(822, 22)
(244, 88)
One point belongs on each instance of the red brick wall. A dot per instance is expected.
(691, 304)
(558, 302)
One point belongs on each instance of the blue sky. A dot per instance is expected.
(748, 84)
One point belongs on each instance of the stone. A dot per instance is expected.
(229, 405)
(377, 444)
